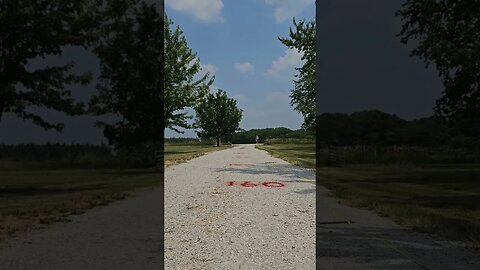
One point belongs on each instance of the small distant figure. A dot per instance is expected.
(256, 139)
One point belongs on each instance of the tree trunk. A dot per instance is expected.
(218, 142)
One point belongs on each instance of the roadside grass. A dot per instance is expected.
(36, 194)
(301, 152)
(441, 198)
(31, 199)
(181, 152)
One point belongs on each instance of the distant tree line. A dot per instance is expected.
(248, 136)
(182, 140)
(51, 151)
(72, 156)
(378, 128)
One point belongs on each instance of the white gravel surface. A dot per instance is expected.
(211, 225)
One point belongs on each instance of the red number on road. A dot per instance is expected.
(273, 184)
(248, 184)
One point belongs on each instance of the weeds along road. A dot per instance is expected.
(239, 208)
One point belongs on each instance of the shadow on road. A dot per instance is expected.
(351, 246)
(287, 172)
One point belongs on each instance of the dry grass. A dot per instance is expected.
(177, 153)
(442, 199)
(301, 154)
(35, 198)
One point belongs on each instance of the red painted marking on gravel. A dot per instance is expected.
(273, 184)
(250, 184)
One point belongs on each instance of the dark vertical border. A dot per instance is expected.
(317, 131)
(160, 112)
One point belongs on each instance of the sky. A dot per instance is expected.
(237, 42)
(362, 65)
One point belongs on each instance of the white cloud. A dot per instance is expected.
(202, 10)
(287, 9)
(244, 67)
(278, 97)
(211, 69)
(208, 68)
(291, 59)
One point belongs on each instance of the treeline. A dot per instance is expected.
(378, 137)
(52, 151)
(248, 136)
(210, 141)
(72, 156)
(182, 140)
(378, 128)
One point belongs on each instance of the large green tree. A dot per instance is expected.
(217, 116)
(446, 33)
(182, 87)
(131, 80)
(30, 30)
(302, 38)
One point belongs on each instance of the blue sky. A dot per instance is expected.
(237, 42)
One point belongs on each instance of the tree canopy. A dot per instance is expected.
(37, 29)
(182, 89)
(302, 38)
(131, 79)
(447, 34)
(217, 116)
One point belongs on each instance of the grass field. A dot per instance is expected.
(179, 152)
(34, 198)
(300, 153)
(443, 199)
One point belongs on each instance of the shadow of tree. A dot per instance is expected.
(286, 172)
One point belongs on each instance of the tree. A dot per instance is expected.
(217, 116)
(131, 80)
(181, 88)
(447, 34)
(36, 29)
(302, 38)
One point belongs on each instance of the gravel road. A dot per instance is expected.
(213, 222)
(238, 208)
